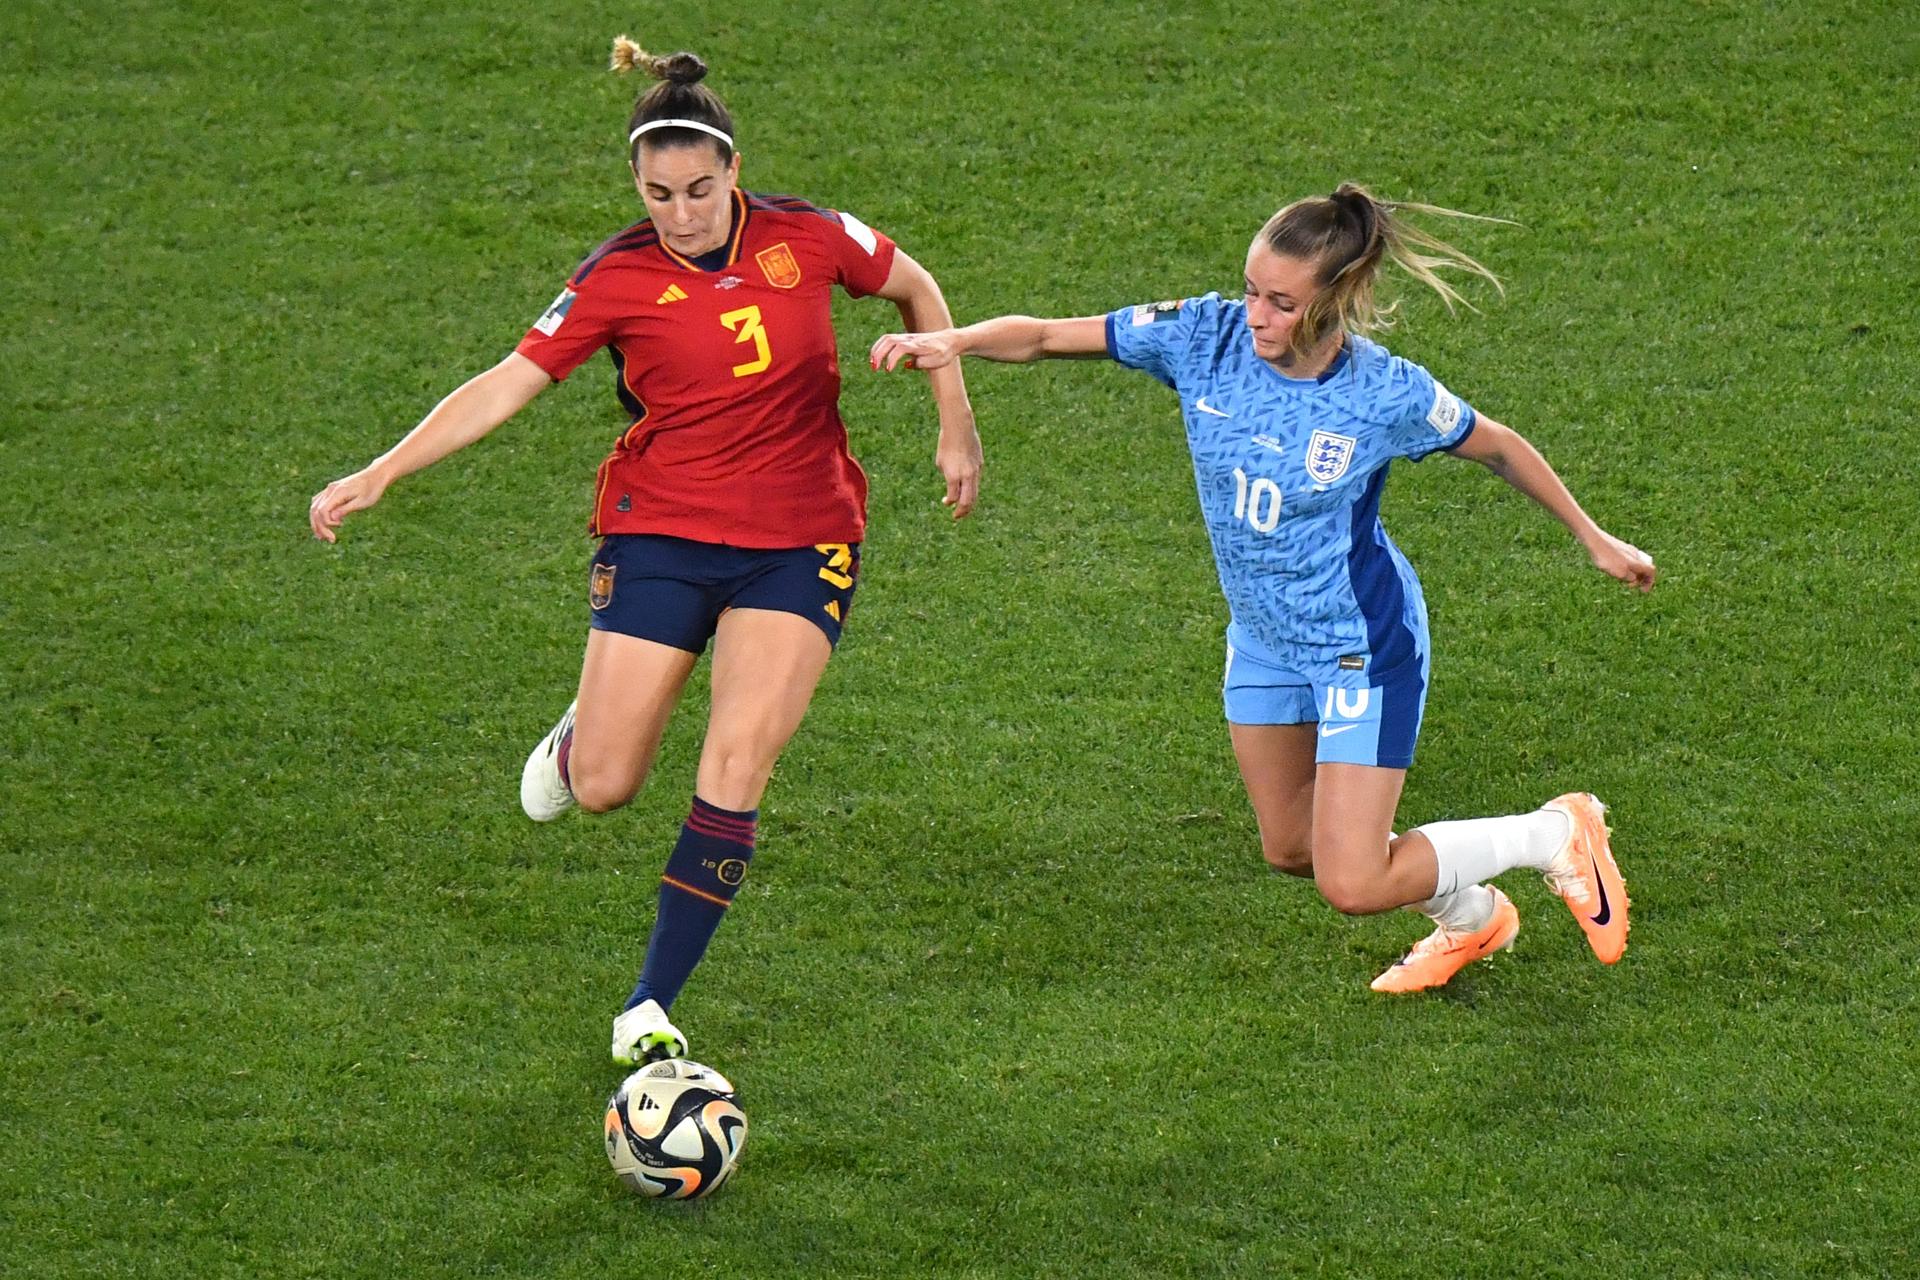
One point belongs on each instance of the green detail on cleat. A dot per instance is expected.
(658, 1045)
(655, 1046)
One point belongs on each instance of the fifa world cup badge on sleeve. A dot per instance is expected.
(781, 267)
(549, 321)
(859, 232)
(1153, 312)
(1445, 414)
(600, 586)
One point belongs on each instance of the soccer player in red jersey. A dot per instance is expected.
(729, 510)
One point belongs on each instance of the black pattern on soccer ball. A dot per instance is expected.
(674, 1130)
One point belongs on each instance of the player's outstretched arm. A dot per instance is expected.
(1509, 455)
(478, 406)
(912, 288)
(1008, 339)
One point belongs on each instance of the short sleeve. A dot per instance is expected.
(1424, 415)
(1158, 337)
(863, 257)
(569, 332)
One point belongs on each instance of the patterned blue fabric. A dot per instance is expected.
(1290, 473)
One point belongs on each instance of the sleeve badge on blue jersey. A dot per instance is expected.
(550, 319)
(1444, 416)
(1153, 312)
(1329, 456)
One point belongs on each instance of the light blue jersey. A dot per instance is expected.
(1290, 473)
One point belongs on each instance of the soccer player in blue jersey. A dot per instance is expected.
(1292, 416)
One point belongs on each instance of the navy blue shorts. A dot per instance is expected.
(672, 590)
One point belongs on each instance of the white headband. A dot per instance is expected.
(679, 124)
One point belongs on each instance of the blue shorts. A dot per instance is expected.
(1365, 717)
(672, 590)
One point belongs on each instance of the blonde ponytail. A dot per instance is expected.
(676, 68)
(627, 55)
(1349, 236)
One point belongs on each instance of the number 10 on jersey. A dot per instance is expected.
(745, 325)
(1257, 503)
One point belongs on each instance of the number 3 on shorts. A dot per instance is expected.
(839, 559)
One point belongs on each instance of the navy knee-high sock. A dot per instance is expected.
(707, 866)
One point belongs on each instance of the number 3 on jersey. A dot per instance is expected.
(745, 325)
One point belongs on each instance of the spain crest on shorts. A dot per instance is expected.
(600, 586)
(1329, 456)
(779, 265)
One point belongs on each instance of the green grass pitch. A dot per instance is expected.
(288, 987)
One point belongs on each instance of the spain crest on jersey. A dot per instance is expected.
(782, 269)
(1329, 456)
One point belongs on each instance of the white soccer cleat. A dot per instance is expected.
(642, 1034)
(543, 793)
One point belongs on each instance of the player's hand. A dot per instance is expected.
(959, 457)
(932, 350)
(1623, 560)
(337, 501)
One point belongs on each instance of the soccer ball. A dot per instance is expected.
(674, 1130)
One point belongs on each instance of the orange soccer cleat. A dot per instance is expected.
(1585, 875)
(1444, 952)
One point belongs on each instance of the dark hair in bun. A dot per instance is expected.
(678, 96)
(681, 68)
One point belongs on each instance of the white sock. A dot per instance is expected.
(1462, 911)
(1478, 849)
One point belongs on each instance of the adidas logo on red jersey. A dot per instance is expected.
(674, 293)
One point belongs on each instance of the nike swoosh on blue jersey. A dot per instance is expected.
(1202, 405)
(1327, 731)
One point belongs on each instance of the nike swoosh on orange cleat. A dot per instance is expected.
(1588, 879)
(1441, 954)
(1605, 913)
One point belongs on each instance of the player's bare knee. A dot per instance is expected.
(1352, 895)
(1293, 857)
(600, 790)
(732, 775)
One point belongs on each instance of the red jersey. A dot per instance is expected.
(731, 376)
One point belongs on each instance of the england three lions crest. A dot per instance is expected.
(1329, 456)
(779, 265)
